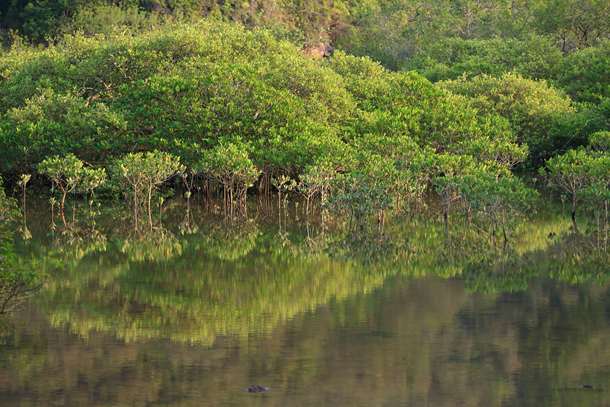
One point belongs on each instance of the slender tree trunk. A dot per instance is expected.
(574, 214)
(503, 224)
(135, 206)
(606, 225)
(493, 233)
(322, 203)
(63, 201)
(447, 235)
(25, 218)
(380, 221)
(149, 209)
(597, 220)
(74, 205)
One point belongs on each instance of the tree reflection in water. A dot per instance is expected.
(350, 320)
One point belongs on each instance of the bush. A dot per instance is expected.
(538, 113)
(453, 58)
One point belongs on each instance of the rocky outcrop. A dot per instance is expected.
(320, 50)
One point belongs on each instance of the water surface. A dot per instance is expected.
(194, 319)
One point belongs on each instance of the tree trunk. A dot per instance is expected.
(63, 201)
(149, 210)
(574, 215)
(447, 235)
(135, 205)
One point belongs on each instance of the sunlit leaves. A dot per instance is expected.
(500, 197)
(143, 172)
(600, 141)
(581, 175)
(537, 113)
(230, 165)
(455, 58)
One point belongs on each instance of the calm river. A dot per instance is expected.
(195, 317)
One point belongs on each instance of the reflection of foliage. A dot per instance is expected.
(506, 272)
(232, 244)
(577, 259)
(6, 331)
(538, 233)
(571, 257)
(72, 247)
(193, 288)
(17, 282)
(152, 246)
(236, 279)
(366, 249)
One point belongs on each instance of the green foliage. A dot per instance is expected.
(230, 165)
(404, 164)
(236, 103)
(580, 175)
(362, 194)
(585, 75)
(387, 31)
(65, 173)
(403, 105)
(68, 174)
(537, 113)
(577, 23)
(600, 141)
(448, 169)
(106, 18)
(92, 178)
(500, 198)
(143, 173)
(56, 124)
(189, 85)
(570, 172)
(454, 58)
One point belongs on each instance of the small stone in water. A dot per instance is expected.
(256, 389)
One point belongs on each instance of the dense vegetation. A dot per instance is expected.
(388, 31)
(227, 98)
(237, 106)
(455, 100)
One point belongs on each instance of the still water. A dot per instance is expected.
(194, 319)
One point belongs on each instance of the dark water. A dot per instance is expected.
(194, 319)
